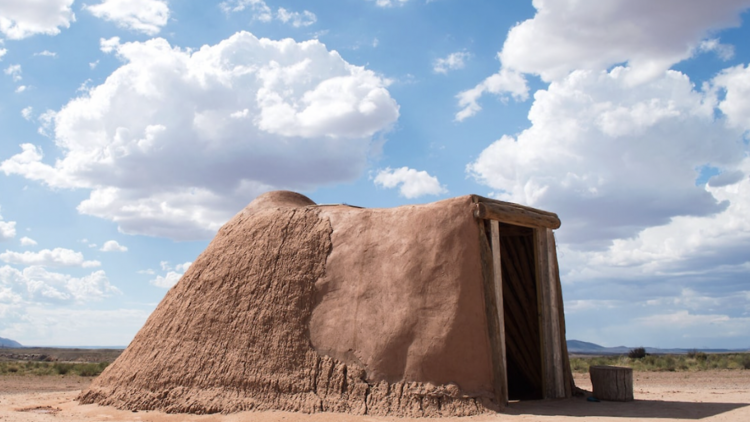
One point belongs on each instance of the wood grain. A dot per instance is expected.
(567, 372)
(514, 214)
(497, 275)
(555, 309)
(482, 199)
(491, 310)
(612, 382)
(543, 295)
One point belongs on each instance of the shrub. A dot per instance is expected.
(89, 369)
(62, 368)
(579, 365)
(670, 364)
(637, 353)
(48, 368)
(700, 362)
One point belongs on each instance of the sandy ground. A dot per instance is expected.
(676, 396)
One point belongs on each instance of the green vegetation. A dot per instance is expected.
(637, 353)
(693, 361)
(49, 368)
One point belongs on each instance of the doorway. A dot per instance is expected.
(521, 315)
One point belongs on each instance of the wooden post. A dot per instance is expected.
(549, 318)
(542, 274)
(567, 372)
(492, 310)
(612, 382)
(497, 273)
(554, 310)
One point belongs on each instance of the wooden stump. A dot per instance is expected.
(612, 382)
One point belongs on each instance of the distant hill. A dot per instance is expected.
(578, 346)
(8, 343)
(586, 348)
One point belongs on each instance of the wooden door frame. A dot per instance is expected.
(556, 377)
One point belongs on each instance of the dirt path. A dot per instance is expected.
(677, 396)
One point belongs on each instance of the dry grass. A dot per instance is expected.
(694, 361)
(49, 368)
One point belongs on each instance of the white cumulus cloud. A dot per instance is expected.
(36, 284)
(14, 71)
(724, 51)
(27, 241)
(613, 159)
(46, 53)
(310, 121)
(390, 3)
(7, 229)
(411, 183)
(21, 19)
(734, 83)
(296, 19)
(685, 247)
(621, 153)
(146, 16)
(569, 35)
(501, 83)
(58, 257)
(691, 327)
(108, 45)
(26, 112)
(260, 9)
(113, 246)
(453, 61)
(183, 267)
(65, 326)
(573, 34)
(262, 12)
(171, 277)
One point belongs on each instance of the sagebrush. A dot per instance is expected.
(698, 361)
(49, 368)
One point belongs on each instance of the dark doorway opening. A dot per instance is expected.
(522, 337)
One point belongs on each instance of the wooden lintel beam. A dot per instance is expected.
(521, 216)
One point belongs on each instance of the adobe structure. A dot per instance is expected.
(444, 309)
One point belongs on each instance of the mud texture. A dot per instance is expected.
(283, 311)
(402, 295)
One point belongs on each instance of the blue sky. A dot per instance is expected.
(132, 130)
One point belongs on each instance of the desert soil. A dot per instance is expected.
(668, 396)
